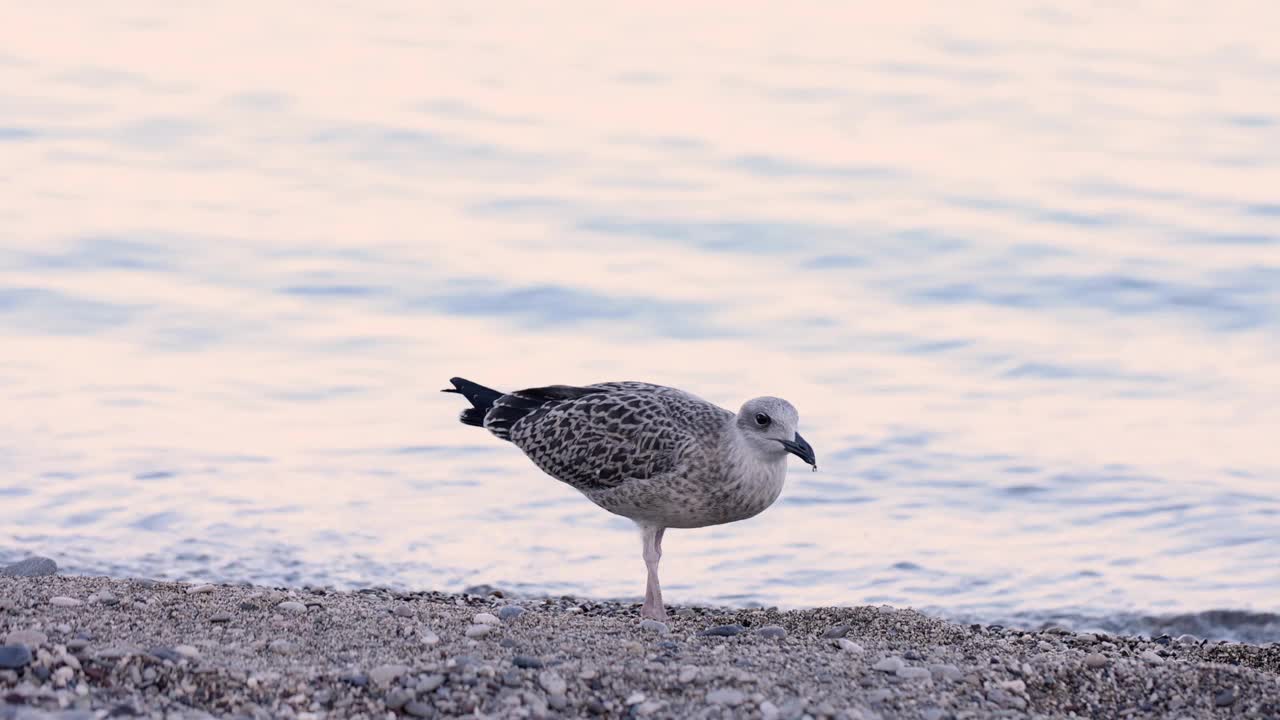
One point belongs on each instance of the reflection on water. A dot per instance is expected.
(1019, 269)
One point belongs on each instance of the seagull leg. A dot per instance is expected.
(652, 607)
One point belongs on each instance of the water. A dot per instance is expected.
(1018, 267)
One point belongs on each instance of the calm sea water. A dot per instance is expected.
(1018, 267)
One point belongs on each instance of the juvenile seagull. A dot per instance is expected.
(657, 455)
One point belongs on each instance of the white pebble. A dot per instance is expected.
(486, 619)
(1151, 656)
(479, 631)
(635, 698)
(551, 681)
(430, 638)
(849, 646)
(769, 711)
(63, 601)
(891, 664)
(292, 606)
(655, 626)
(187, 651)
(201, 589)
(915, 673)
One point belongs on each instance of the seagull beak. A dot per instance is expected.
(801, 449)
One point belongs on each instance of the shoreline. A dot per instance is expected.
(88, 647)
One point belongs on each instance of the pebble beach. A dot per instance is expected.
(95, 647)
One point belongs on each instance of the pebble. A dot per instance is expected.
(30, 567)
(1152, 657)
(773, 632)
(14, 657)
(634, 699)
(1223, 698)
(551, 681)
(950, 673)
(879, 696)
(221, 616)
(526, 662)
(891, 664)
(726, 696)
(769, 711)
(384, 675)
(1096, 660)
(30, 638)
(430, 683)
(187, 651)
(201, 589)
(723, 631)
(478, 631)
(836, 631)
(646, 709)
(417, 708)
(430, 638)
(282, 646)
(933, 713)
(915, 673)
(849, 646)
(1015, 686)
(688, 674)
(654, 626)
(292, 606)
(510, 612)
(485, 619)
(64, 601)
(404, 611)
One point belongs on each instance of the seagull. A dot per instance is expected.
(658, 455)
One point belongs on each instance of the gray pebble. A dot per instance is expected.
(14, 657)
(510, 612)
(772, 632)
(397, 699)
(222, 616)
(723, 631)
(849, 646)
(478, 630)
(384, 675)
(557, 701)
(933, 713)
(726, 696)
(879, 696)
(1223, 698)
(1096, 660)
(65, 602)
(654, 626)
(527, 663)
(354, 678)
(914, 673)
(292, 606)
(1152, 657)
(281, 646)
(485, 619)
(551, 681)
(891, 664)
(836, 631)
(404, 611)
(30, 638)
(201, 589)
(417, 708)
(31, 567)
(430, 682)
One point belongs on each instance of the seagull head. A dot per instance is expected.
(769, 426)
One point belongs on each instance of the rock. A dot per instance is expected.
(1014, 686)
(105, 597)
(772, 632)
(417, 708)
(483, 591)
(849, 646)
(292, 607)
(510, 612)
(891, 664)
(688, 674)
(485, 619)
(281, 646)
(14, 657)
(222, 616)
(187, 651)
(354, 678)
(201, 589)
(65, 602)
(1096, 660)
(645, 709)
(551, 681)
(947, 672)
(384, 675)
(634, 698)
(1152, 657)
(430, 638)
(404, 611)
(726, 696)
(915, 673)
(654, 626)
(558, 702)
(526, 662)
(879, 696)
(769, 711)
(430, 683)
(30, 567)
(397, 699)
(933, 713)
(1223, 698)
(723, 631)
(478, 631)
(30, 638)
(836, 632)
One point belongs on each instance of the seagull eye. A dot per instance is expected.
(762, 420)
